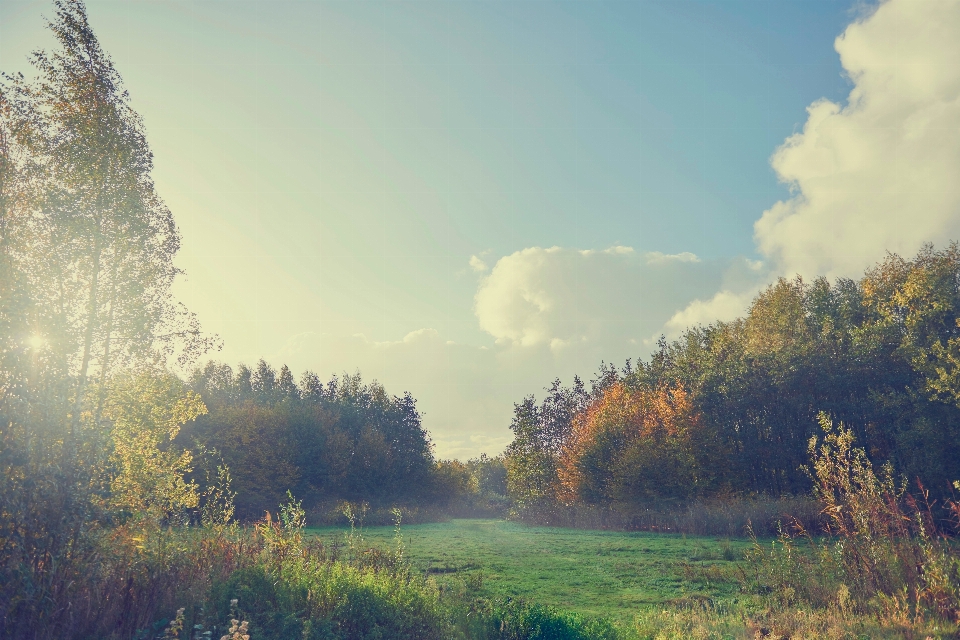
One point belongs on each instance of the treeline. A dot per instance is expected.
(88, 408)
(342, 440)
(731, 407)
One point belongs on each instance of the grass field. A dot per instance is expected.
(603, 573)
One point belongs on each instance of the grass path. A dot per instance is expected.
(606, 573)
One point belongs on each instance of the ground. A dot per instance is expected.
(602, 573)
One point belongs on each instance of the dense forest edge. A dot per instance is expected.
(723, 415)
(147, 491)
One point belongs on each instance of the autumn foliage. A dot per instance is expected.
(727, 410)
(633, 445)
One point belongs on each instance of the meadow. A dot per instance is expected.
(145, 494)
(597, 573)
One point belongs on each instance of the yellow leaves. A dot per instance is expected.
(777, 318)
(146, 411)
(139, 542)
(152, 401)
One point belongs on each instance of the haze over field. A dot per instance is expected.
(467, 199)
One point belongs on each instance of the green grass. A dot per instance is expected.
(598, 573)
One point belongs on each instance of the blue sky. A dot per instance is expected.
(468, 199)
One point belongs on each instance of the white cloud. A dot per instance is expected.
(725, 305)
(554, 312)
(875, 174)
(614, 250)
(655, 257)
(477, 264)
(605, 299)
(879, 173)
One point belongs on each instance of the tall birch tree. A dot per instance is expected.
(102, 263)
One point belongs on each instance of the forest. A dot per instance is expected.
(149, 491)
(727, 409)
(732, 407)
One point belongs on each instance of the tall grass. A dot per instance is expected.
(267, 581)
(885, 553)
(129, 581)
(885, 567)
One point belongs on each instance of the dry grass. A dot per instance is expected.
(884, 557)
(832, 623)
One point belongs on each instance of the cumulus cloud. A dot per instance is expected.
(552, 311)
(878, 173)
(725, 305)
(614, 298)
(875, 174)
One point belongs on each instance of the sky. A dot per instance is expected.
(467, 199)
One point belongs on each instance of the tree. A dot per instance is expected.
(345, 439)
(285, 384)
(146, 411)
(101, 266)
(15, 305)
(635, 447)
(86, 265)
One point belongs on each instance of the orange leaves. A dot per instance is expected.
(616, 431)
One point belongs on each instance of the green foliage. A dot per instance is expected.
(879, 354)
(86, 266)
(634, 448)
(343, 440)
(471, 489)
(539, 433)
(283, 537)
(520, 620)
(217, 500)
(324, 600)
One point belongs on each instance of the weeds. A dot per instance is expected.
(398, 546)
(884, 554)
(885, 570)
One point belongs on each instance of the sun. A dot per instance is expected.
(36, 341)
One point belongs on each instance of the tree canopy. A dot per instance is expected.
(731, 406)
(339, 440)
